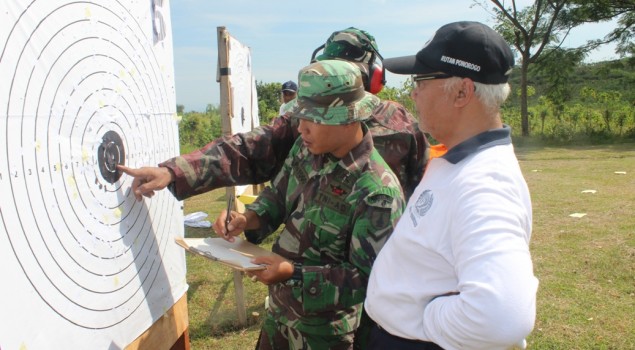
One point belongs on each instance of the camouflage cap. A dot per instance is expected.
(350, 44)
(331, 92)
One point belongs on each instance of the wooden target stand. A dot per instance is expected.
(222, 77)
(170, 332)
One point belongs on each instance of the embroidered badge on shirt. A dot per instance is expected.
(421, 207)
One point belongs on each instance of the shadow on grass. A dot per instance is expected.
(191, 290)
(220, 323)
(214, 313)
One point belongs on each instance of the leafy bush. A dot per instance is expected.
(197, 129)
(268, 101)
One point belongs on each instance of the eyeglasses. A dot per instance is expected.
(288, 93)
(430, 76)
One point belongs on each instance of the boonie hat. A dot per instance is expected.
(290, 86)
(331, 92)
(462, 49)
(350, 44)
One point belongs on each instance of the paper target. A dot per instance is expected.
(244, 98)
(86, 85)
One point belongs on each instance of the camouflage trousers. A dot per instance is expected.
(277, 336)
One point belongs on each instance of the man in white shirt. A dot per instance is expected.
(289, 92)
(457, 271)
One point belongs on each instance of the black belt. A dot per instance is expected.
(403, 343)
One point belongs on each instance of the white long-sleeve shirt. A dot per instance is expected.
(457, 269)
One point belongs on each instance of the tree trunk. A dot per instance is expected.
(524, 115)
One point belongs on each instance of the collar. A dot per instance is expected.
(360, 154)
(482, 141)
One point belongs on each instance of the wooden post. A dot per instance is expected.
(222, 76)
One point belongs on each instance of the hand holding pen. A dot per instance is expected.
(229, 223)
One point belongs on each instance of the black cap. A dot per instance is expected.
(290, 86)
(463, 49)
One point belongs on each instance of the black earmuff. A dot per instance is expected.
(315, 52)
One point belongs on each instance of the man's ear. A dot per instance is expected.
(465, 92)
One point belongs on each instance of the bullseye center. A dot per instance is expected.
(110, 153)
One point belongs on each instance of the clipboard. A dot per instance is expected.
(236, 255)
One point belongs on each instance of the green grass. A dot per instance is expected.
(586, 266)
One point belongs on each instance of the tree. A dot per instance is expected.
(598, 11)
(540, 29)
(268, 100)
(556, 68)
(529, 30)
(213, 114)
(400, 94)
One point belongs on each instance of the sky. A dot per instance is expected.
(283, 34)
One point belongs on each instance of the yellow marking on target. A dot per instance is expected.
(85, 154)
(72, 184)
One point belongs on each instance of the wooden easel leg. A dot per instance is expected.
(240, 297)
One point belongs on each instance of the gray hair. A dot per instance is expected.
(491, 96)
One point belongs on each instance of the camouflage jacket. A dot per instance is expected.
(257, 156)
(337, 214)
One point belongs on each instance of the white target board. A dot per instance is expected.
(244, 98)
(85, 85)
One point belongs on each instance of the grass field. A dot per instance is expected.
(586, 265)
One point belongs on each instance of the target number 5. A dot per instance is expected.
(158, 23)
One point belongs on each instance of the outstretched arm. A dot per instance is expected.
(245, 158)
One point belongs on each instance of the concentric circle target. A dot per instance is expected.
(111, 153)
(86, 86)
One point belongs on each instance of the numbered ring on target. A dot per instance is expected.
(110, 153)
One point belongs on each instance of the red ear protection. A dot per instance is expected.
(376, 77)
(376, 74)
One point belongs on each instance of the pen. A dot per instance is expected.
(228, 218)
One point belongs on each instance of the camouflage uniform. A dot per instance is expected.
(337, 214)
(257, 156)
